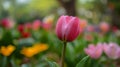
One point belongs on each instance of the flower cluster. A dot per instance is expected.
(33, 50)
(27, 51)
(112, 50)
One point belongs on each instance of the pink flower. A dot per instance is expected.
(47, 22)
(36, 24)
(47, 26)
(90, 28)
(104, 27)
(112, 50)
(94, 51)
(7, 23)
(28, 26)
(68, 28)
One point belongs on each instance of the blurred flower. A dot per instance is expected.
(47, 22)
(36, 24)
(114, 29)
(21, 28)
(68, 28)
(7, 23)
(112, 50)
(47, 26)
(6, 51)
(89, 37)
(28, 26)
(104, 27)
(25, 34)
(40, 47)
(28, 52)
(94, 51)
(90, 28)
(35, 49)
(83, 23)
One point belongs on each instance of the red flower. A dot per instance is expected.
(20, 28)
(25, 34)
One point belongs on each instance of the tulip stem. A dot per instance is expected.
(63, 54)
(4, 61)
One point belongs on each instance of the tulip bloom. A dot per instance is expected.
(36, 24)
(94, 51)
(47, 22)
(83, 23)
(25, 34)
(68, 28)
(33, 50)
(112, 50)
(104, 27)
(7, 23)
(47, 26)
(21, 28)
(7, 51)
(28, 26)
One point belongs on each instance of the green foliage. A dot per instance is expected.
(52, 64)
(82, 62)
(7, 38)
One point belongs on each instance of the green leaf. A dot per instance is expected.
(82, 62)
(53, 64)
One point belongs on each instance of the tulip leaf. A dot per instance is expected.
(82, 62)
(53, 64)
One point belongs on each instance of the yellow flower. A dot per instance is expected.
(35, 49)
(6, 51)
(40, 47)
(28, 51)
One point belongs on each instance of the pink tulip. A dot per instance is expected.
(94, 51)
(68, 28)
(28, 26)
(47, 26)
(36, 24)
(112, 50)
(104, 27)
(47, 22)
(7, 23)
